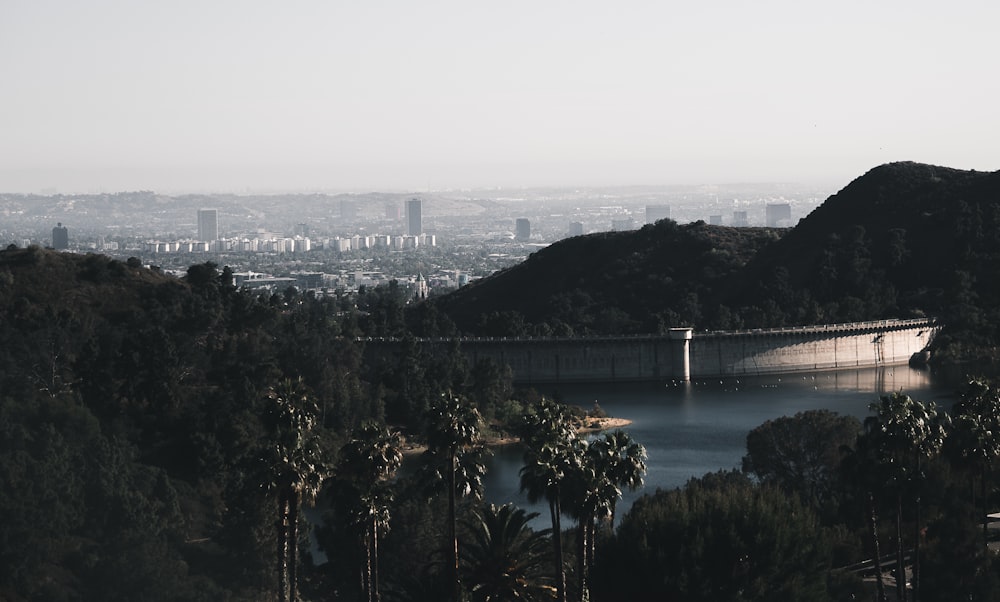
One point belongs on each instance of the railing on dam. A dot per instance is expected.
(682, 353)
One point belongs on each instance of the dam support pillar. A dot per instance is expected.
(680, 339)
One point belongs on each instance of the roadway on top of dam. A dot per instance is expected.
(832, 329)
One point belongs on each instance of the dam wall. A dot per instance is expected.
(832, 347)
(683, 354)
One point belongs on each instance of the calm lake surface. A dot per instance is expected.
(701, 427)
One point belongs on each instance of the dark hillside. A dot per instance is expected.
(608, 283)
(135, 425)
(903, 240)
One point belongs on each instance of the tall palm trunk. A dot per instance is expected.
(556, 511)
(282, 547)
(373, 562)
(873, 524)
(586, 550)
(986, 520)
(900, 564)
(293, 545)
(452, 530)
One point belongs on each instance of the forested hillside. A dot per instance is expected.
(903, 240)
(147, 423)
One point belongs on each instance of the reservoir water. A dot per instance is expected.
(700, 427)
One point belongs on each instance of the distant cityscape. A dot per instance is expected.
(430, 242)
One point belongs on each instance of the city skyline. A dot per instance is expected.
(248, 96)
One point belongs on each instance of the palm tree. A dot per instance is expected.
(976, 434)
(553, 452)
(904, 431)
(609, 463)
(505, 559)
(296, 469)
(367, 462)
(454, 436)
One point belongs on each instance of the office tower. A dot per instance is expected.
(779, 215)
(715, 220)
(302, 230)
(740, 219)
(392, 211)
(575, 229)
(60, 237)
(655, 213)
(523, 229)
(414, 225)
(208, 225)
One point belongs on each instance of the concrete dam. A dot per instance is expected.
(684, 354)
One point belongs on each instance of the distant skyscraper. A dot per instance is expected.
(740, 219)
(715, 220)
(60, 237)
(523, 229)
(414, 224)
(779, 215)
(392, 211)
(575, 229)
(655, 213)
(208, 225)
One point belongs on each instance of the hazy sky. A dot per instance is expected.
(242, 95)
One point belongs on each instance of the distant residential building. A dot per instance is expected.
(208, 225)
(420, 291)
(715, 220)
(256, 281)
(655, 213)
(779, 216)
(740, 219)
(414, 221)
(575, 229)
(522, 229)
(60, 237)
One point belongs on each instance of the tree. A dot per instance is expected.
(903, 432)
(608, 463)
(296, 469)
(976, 434)
(505, 560)
(801, 453)
(553, 452)
(372, 457)
(720, 537)
(454, 437)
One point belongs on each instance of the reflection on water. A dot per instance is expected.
(700, 427)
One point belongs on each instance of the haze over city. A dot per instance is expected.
(260, 97)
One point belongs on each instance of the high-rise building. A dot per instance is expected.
(575, 229)
(522, 229)
(208, 225)
(655, 213)
(740, 219)
(414, 224)
(715, 220)
(778, 215)
(60, 237)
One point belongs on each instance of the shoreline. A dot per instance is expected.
(590, 425)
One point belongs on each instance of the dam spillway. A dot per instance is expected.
(684, 354)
